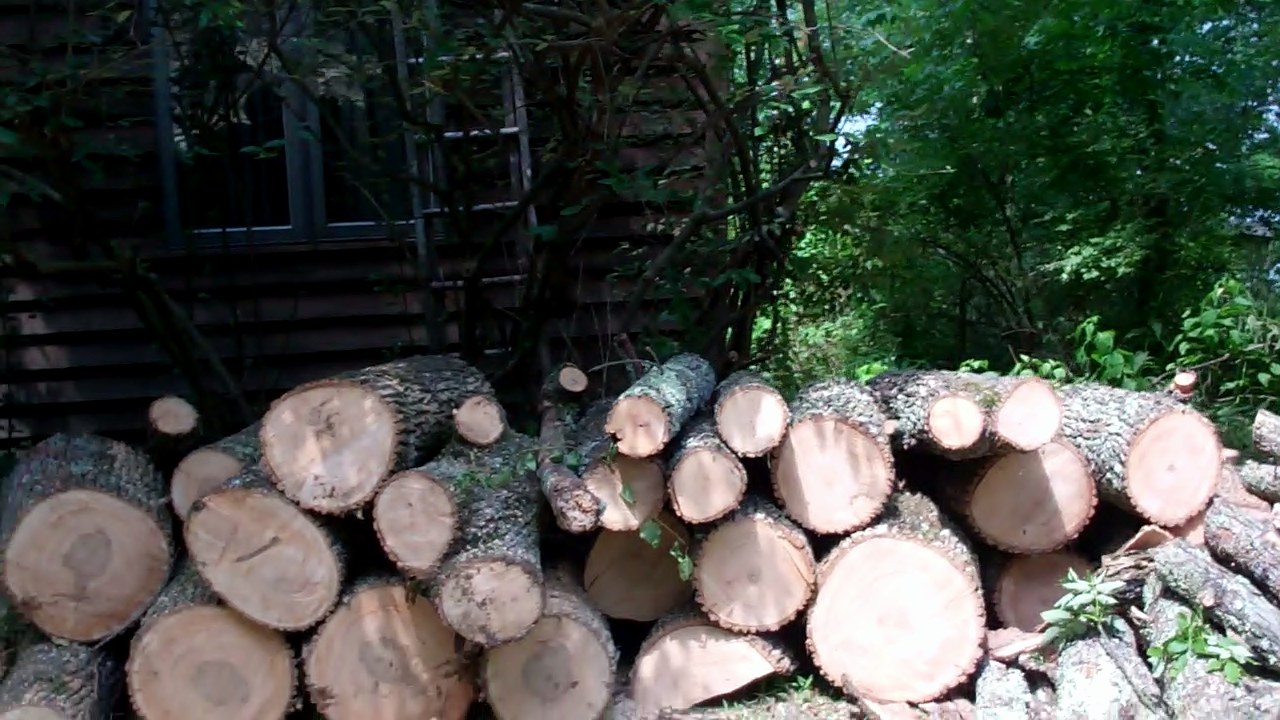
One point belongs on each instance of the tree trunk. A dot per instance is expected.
(1031, 502)
(565, 667)
(911, 566)
(87, 540)
(480, 420)
(626, 578)
(193, 658)
(384, 654)
(706, 480)
(686, 660)
(330, 444)
(1261, 479)
(575, 508)
(60, 682)
(630, 490)
(1149, 454)
(1246, 543)
(263, 555)
(834, 471)
(1105, 677)
(1266, 434)
(172, 430)
(208, 468)
(755, 571)
(1002, 693)
(750, 415)
(1027, 585)
(489, 585)
(1227, 598)
(650, 413)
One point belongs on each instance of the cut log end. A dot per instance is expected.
(82, 564)
(416, 520)
(1030, 584)
(640, 425)
(1173, 468)
(489, 601)
(572, 379)
(628, 579)
(1032, 502)
(172, 416)
(1030, 416)
(706, 485)
(923, 627)
(631, 489)
(330, 445)
(199, 474)
(264, 557)
(480, 420)
(752, 419)
(207, 662)
(955, 423)
(386, 654)
(832, 477)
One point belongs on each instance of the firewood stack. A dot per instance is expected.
(382, 545)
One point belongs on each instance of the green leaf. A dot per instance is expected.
(1055, 616)
(651, 533)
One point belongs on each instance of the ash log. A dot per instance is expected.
(60, 682)
(650, 413)
(1266, 434)
(1245, 541)
(1261, 479)
(628, 578)
(630, 490)
(208, 468)
(750, 415)
(706, 479)
(575, 508)
(172, 430)
(1104, 676)
(1027, 585)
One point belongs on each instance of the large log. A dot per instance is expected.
(629, 579)
(1245, 542)
(263, 555)
(60, 682)
(193, 658)
(86, 537)
(834, 471)
(909, 583)
(564, 668)
(1266, 433)
(750, 415)
(630, 490)
(1261, 479)
(706, 480)
(1230, 600)
(1150, 454)
(755, 571)
(575, 508)
(649, 414)
(1104, 677)
(208, 468)
(962, 415)
(489, 584)
(686, 660)
(384, 654)
(330, 444)
(1027, 585)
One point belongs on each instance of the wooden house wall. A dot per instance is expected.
(75, 356)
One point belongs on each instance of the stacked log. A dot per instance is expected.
(391, 537)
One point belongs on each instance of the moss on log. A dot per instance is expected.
(1149, 454)
(706, 480)
(330, 444)
(1105, 677)
(206, 469)
(834, 471)
(1245, 543)
(86, 536)
(649, 414)
(60, 682)
(750, 415)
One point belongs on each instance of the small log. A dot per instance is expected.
(910, 583)
(488, 587)
(1261, 479)
(193, 658)
(650, 413)
(1031, 502)
(755, 571)
(415, 517)
(384, 653)
(208, 468)
(60, 682)
(1197, 691)
(750, 415)
(834, 471)
(1266, 434)
(629, 490)
(1002, 693)
(565, 667)
(575, 508)
(1230, 600)
(480, 420)
(1245, 541)
(628, 579)
(686, 660)
(330, 444)
(263, 555)
(570, 379)
(1027, 585)
(87, 540)
(172, 430)
(1105, 677)
(706, 480)
(1149, 454)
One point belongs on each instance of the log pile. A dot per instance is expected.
(385, 544)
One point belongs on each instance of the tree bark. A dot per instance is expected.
(750, 415)
(206, 469)
(1266, 434)
(1002, 693)
(650, 413)
(630, 490)
(706, 480)
(1102, 676)
(76, 682)
(1261, 479)
(575, 508)
(1245, 543)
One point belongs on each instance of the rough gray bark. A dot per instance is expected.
(1244, 543)
(701, 437)
(1196, 691)
(679, 387)
(908, 396)
(1266, 433)
(186, 589)
(190, 482)
(1002, 693)
(1261, 479)
(1230, 600)
(420, 392)
(574, 507)
(77, 681)
(73, 462)
(1105, 677)
(762, 439)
